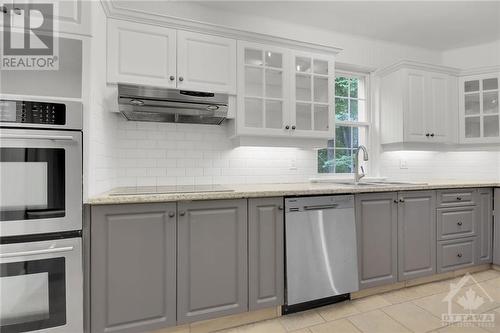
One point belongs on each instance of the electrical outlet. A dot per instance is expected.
(403, 164)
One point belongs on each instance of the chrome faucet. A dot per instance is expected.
(358, 176)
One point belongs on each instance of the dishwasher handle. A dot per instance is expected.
(321, 207)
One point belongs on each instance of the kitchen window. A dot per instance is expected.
(351, 124)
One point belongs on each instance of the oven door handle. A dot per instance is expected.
(36, 252)
(38, 137)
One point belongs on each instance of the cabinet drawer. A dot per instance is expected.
(456, 198)
(456, 254)
(456, 222)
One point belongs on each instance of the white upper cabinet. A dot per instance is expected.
(157, 56)
(206, 63)
(313, 86)
(283, 93)
(479, 110)
(417, 105)
(141, 54)
(263, 90)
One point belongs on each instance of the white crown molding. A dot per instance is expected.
(418, 65)
(112, 10)
(480, 70)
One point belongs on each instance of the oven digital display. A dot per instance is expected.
(8, 111)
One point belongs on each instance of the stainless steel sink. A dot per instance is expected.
(378, 183)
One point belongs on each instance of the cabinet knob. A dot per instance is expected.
(293, 127)
(287, 127)
(395, 201)
(280, 207)
(432, 135)
(459, 255)
(459, 223)
(181, 78)
(427, 134)
(3, 9)
(171, 214)
(459, 198)
(182, 213)
(402, 200)
(172, 77)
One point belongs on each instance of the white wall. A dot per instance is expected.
(483, 55)
(135, 153)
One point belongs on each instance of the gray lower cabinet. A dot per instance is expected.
(416, 234)
(496, 228)
(485, 226)
(212, 259)
(265, 253)
(377, 232)
(132, 273)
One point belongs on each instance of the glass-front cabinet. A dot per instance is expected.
(263, 97)
(313, 85)
(284, 93)
(479, 110)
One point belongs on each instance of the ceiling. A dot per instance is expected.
(434, 25)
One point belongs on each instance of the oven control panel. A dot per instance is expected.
(32, 112)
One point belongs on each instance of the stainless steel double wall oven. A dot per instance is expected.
(41, 277)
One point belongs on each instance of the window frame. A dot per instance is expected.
(364, 125)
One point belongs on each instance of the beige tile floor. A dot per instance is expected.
(417, 309)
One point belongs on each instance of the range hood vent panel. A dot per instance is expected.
(142, 103)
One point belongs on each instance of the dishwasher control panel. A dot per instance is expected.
(300, 204)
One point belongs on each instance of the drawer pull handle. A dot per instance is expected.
(459, 198)
(459, 223)
(459, 255)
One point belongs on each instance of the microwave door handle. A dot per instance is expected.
(38, 137)
(36, 252)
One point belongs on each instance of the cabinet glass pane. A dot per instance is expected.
(491, 124)
(472, 127)
(321, 118)
(253, 112)
(472, 104)
(341, 109)
(490, 102)
(303, 87)
(303, 116)
(274, 59)
(321, 89)
(274, 83)
(253, 57)
(470, 86)
(320, 67)
(303, 65)
(490, 84)
(274, 114)
(253, 81)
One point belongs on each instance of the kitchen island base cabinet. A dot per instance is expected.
(416, 234)
(265, 253)
(212, 259)
(133, 255)
(377, 229)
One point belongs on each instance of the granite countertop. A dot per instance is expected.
(143, 195)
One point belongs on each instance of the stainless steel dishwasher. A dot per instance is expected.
(321, 251)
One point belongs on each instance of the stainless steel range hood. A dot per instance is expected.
(142, 103)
